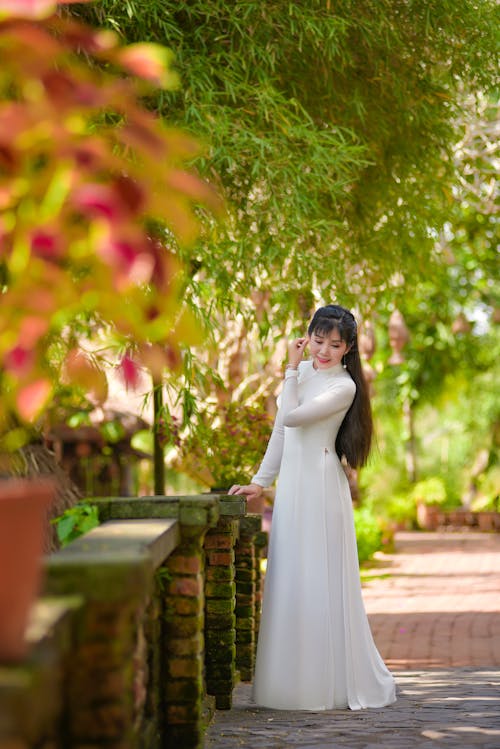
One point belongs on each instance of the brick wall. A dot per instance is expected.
(141, 629)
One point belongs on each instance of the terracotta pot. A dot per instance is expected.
(23, 517)
(457, 518)
(470, 519)
(427, 516)
(486, 521)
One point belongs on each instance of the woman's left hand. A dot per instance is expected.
(251, 491)
(296, 350)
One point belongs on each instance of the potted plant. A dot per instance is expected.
(24, 505)
(226, 447)
(429, 496)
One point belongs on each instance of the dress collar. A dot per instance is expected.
(330, 372)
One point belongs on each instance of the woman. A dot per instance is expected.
(315, 649)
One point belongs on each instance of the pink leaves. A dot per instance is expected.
(80, 370)
(151, 62)
(85, 172)
(32, 328)
(32, 398)
(27, 8)
(32, 9)
(129, 258)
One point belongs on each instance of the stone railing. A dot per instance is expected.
(146, 624)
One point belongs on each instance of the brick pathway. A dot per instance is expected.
(434, 609)
(439, 606)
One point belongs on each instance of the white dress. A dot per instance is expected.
(315, 649)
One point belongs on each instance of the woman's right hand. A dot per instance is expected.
(251, 491)
(296, 350)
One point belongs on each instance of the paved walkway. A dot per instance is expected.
(434, 609)
(436, 602)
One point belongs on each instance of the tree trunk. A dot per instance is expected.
(158, 455)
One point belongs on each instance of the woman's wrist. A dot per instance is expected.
(292, 366)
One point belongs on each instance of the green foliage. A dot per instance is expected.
(76, 521)
(431, 491)
(368, 533)
(488, 497)
(163, 578)
(358, 165)
(227, 445)
(330, 127)
(401, 509)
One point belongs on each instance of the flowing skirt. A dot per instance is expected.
(315, 648)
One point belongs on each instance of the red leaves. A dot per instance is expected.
(46, 244)
(120, 199)
(65, 92)
(85, 170)
(130, 372)
(98, 201)
(130, 192)
(19, 361)
(141, 132)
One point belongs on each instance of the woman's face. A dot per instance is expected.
(327, 349)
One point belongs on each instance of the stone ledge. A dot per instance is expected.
(156, 537)
(190, 510)
(114, 560)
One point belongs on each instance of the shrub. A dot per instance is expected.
(227, 446)
(368, 533)
(431, 491)
(401, 509)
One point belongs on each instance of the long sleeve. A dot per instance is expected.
(270, 466)
(338, 397)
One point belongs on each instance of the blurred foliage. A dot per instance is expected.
(451, 370)
(457, 426)
(431, 491)
(488, 496)
(93, 190)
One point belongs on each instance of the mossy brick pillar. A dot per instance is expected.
(109, 700)
(220, 595)
(184, 641)
(33, 691)
(184, 625)
(247, 560)
(261, 541)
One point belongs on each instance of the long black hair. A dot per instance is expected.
(355, 434)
